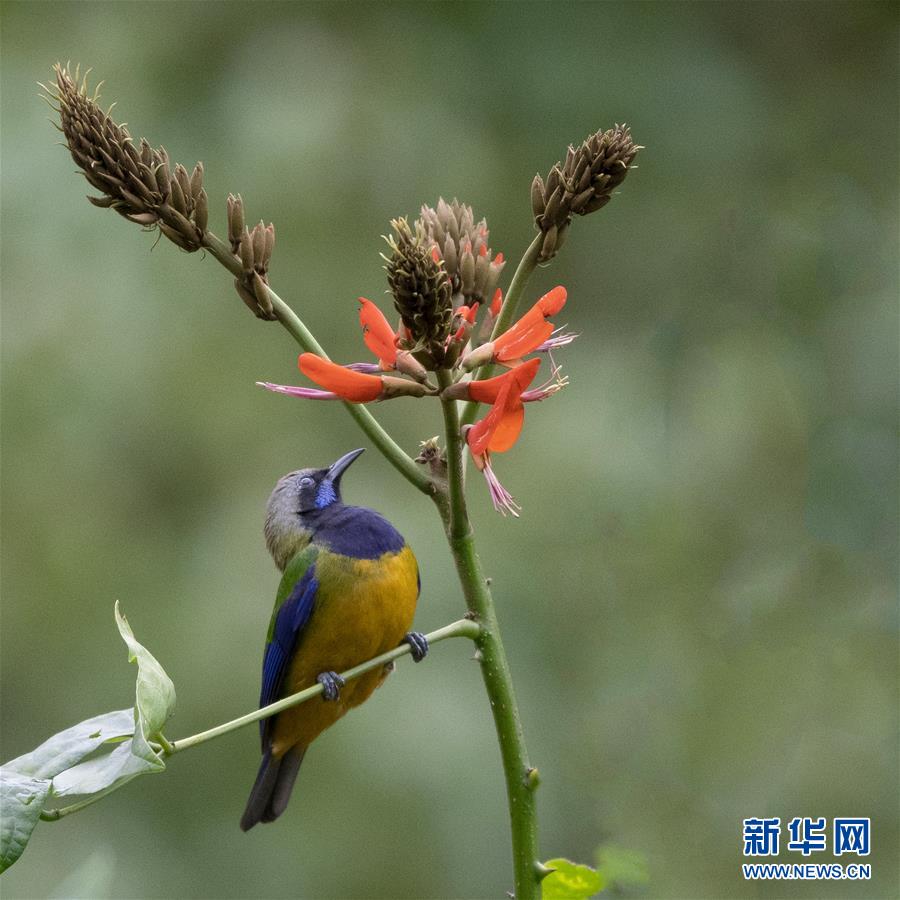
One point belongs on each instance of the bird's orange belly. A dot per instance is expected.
(366, 609)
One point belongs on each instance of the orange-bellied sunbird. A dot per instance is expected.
(348, 593)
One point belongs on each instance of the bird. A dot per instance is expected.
(348, 593)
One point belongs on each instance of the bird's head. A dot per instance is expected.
(299, 499)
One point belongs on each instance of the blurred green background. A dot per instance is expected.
(699, 601)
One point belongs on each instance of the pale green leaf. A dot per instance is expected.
(72, 745)
(570, 881)
(154, 693)
(111, 770)
(21, 800)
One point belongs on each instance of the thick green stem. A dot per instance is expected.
(462, 628)
(521, 776)
(527, 265)
(304, 337)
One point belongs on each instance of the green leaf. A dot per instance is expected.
(570, 881)
(154, 694)
(21, 800)
(72, 745)
(59, 764)
(621, 867)
(154, 703)
(109, 771)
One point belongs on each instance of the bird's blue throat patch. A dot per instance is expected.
(326, 495)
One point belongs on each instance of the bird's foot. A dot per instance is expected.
(418, 643)
(331, 685)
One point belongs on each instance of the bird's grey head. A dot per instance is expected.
(298, 500)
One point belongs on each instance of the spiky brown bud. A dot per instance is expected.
(235, 207)
(581, 185)
(462, 244)
(254, 249)
(135, 181)
(421, 288)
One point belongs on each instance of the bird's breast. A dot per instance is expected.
(363, 608)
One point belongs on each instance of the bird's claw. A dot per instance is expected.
(418, 644)
(331, 685)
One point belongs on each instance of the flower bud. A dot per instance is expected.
(197, 180)
(261, 293)
(176, 196)
(420, 288)
(201, 211)
(581, 185)
(235, 207)
(463, 244)
(246, 250)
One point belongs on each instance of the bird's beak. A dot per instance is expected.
(338, 468)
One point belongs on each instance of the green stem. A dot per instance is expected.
(521, 776)
(527, 264)
(304, 337)
(52, 815)
(462, 628)
(164, 744)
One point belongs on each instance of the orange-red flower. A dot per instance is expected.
(501, 427)
(350, 385)
(496, 303)
(347, 384)
(524, 337)
(378, 334)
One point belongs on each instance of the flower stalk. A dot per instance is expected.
(518, 771)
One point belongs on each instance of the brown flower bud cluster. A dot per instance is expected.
(581, 185)
(253, 247)
(138, 182)
(421, 289)
(463, 245)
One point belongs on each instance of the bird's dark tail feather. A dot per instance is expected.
(272, 788)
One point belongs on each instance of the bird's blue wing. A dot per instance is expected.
(289, 621)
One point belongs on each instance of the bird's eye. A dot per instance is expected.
(306, 481)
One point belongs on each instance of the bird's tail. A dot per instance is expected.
(272, 788)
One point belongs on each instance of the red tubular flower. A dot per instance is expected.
(381, 339)
(378, 334)
(355, 387)
(501, 427)
(468, 312)
(532, 329)
(347, 384)
(524, 337)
